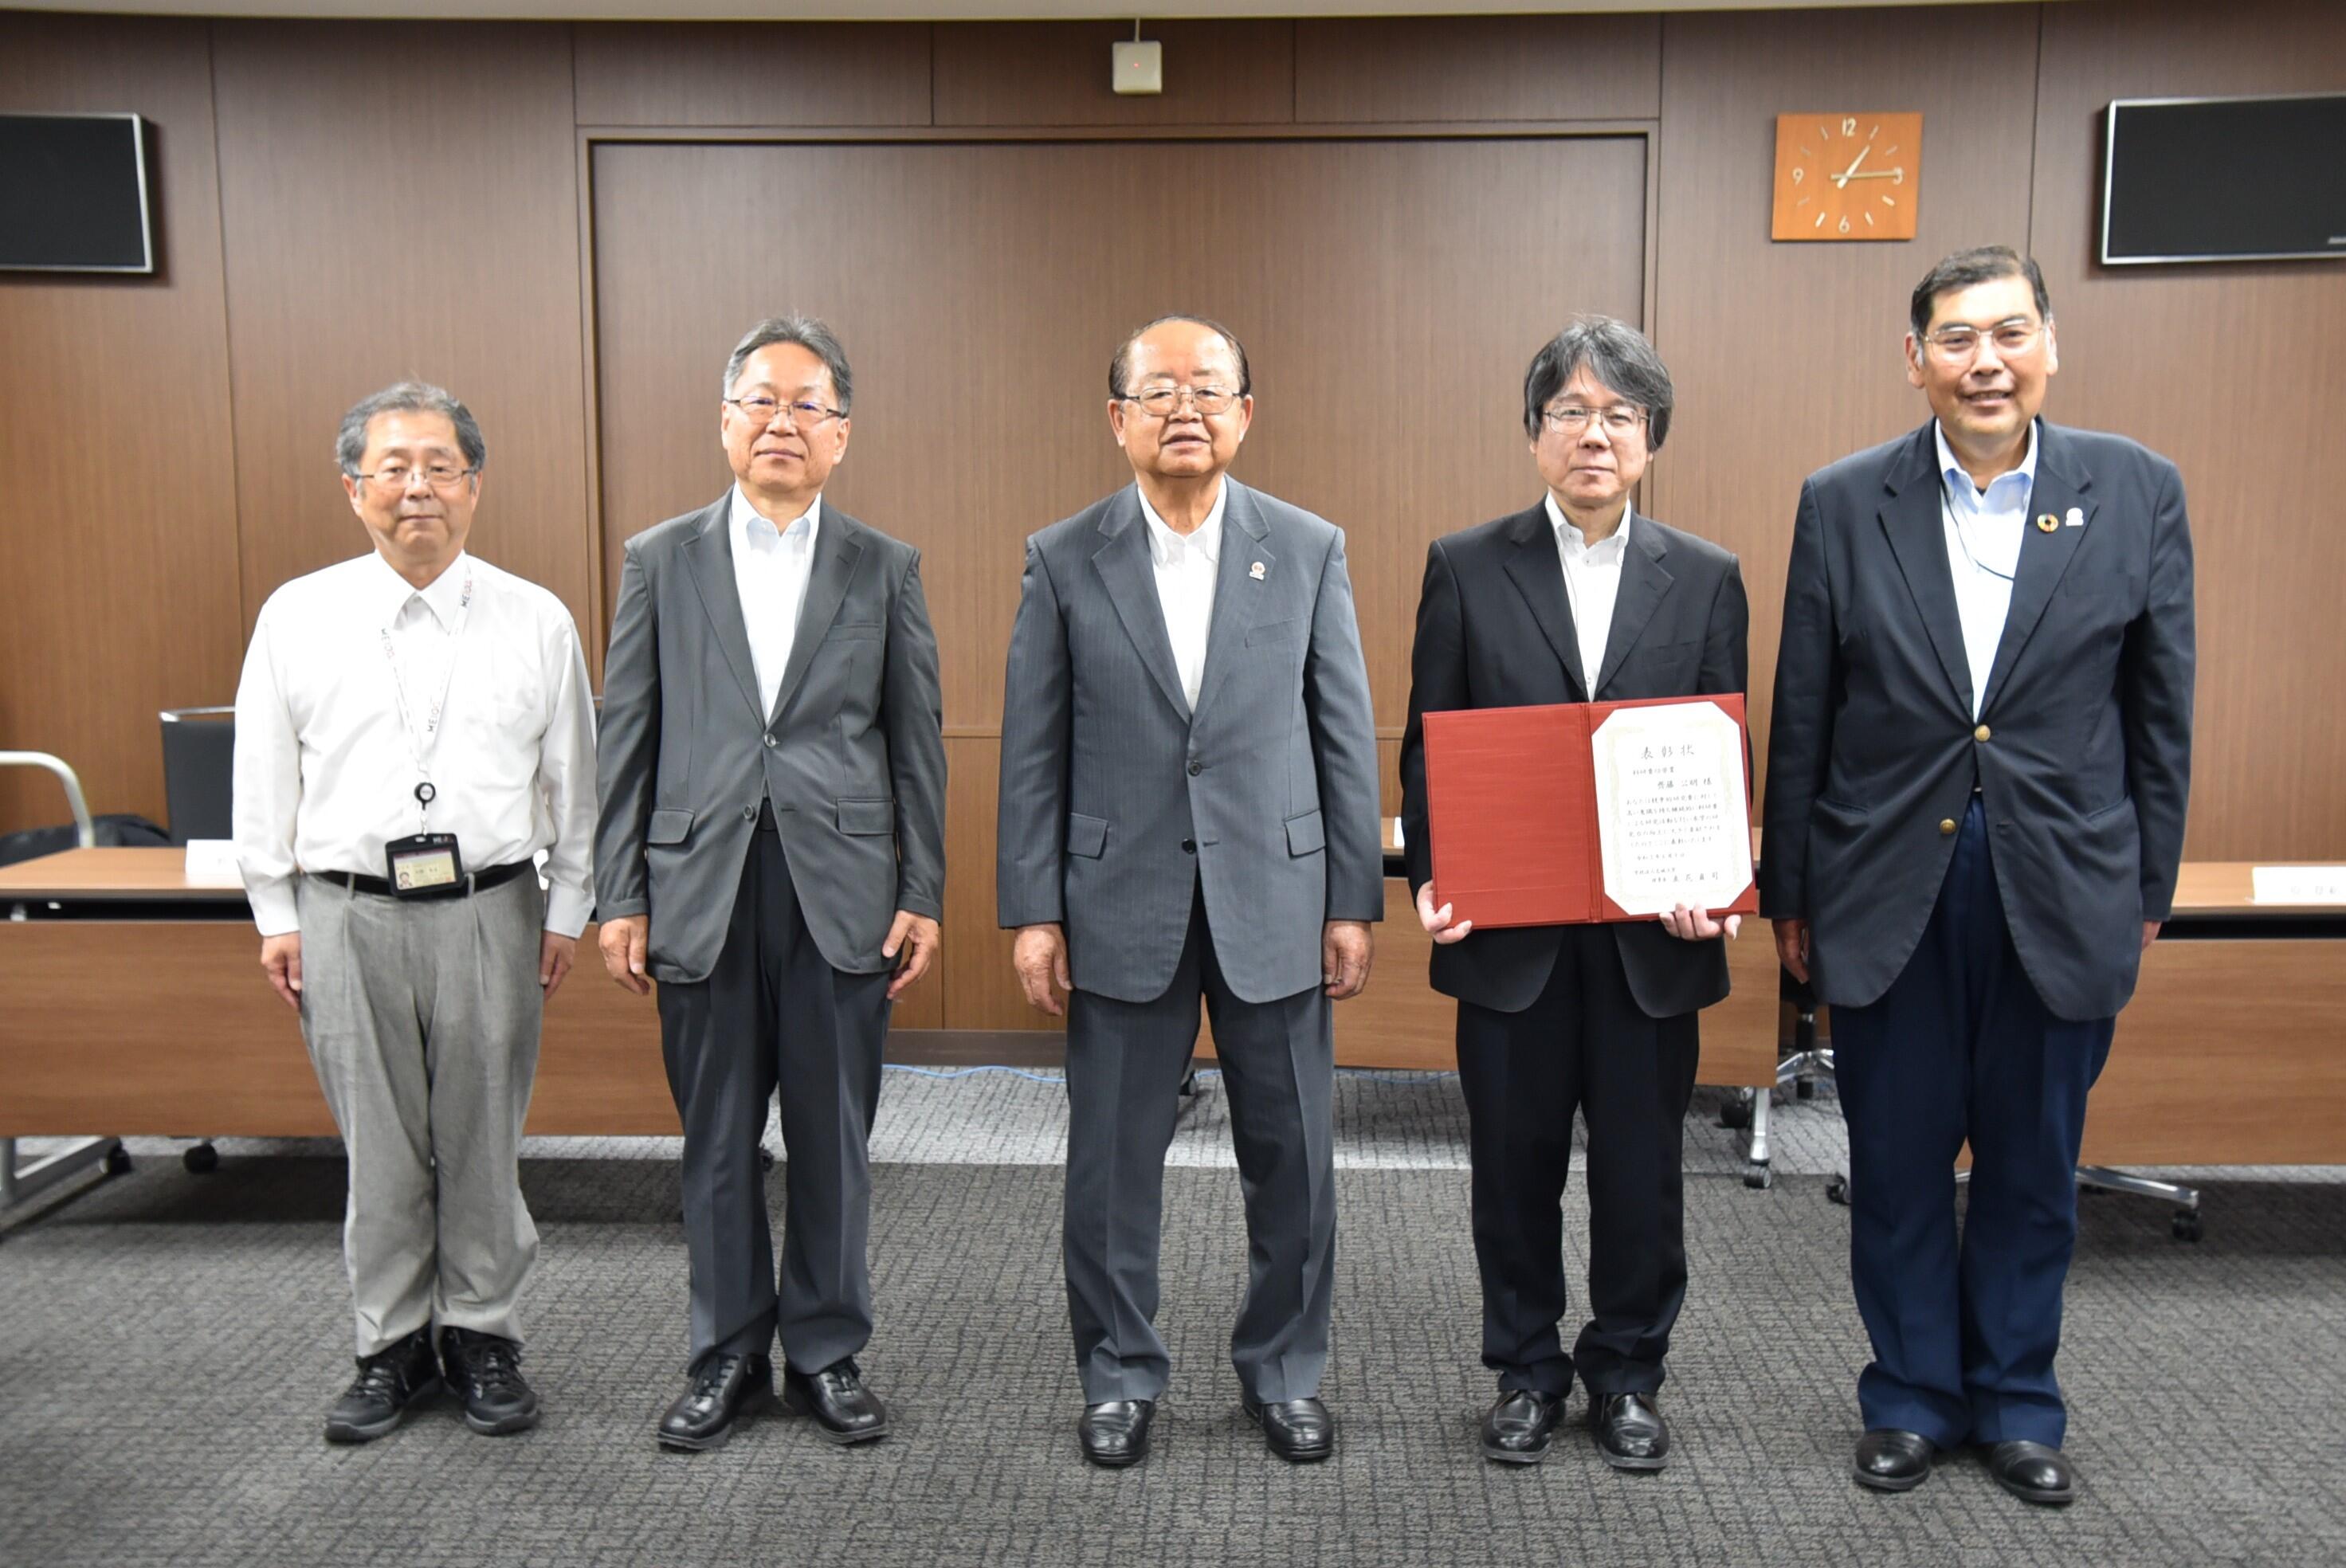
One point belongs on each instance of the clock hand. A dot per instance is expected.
(1845, 177)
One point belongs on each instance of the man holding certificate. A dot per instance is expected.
(1576, 598)
(1975, 793)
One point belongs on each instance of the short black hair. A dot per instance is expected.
(808, 334)
(1980, 264)
(1121, 365)
(1615, 353)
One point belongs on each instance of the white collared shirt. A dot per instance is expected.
(1592, 582)
(771, 567)
(1186, 567)
(327, 747)
(1984, 532)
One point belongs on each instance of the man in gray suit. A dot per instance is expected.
(1190, 808)
(772, 850)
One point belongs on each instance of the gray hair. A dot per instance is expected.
(1120, 367)
(1616, 354)
(1981, 264)
(807, 333)
(408, 397)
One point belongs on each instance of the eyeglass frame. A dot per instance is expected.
(1179, 396)
(402, 481)
(1552, 419)
(1935, 342)
(820, 412)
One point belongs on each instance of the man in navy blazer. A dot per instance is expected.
(1576, 598)
(1977, 774)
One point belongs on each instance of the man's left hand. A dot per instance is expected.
(2150, 932)
(1346, 947)
(912, 941)
(555, 956)
(1696, 925)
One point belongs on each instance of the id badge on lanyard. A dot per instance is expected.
(425, 864)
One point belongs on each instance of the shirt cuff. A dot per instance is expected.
(567, 909)
(273, 909)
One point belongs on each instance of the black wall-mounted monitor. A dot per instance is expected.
(2224, 179)
(73, 194)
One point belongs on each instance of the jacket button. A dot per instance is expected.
(1946, 825)
(1981, 733)
(749, 813)
(772, 742)
(1188, 846)
(1195, 769)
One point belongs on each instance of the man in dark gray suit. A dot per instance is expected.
(1976, 778)
(1580, 597)
(1189, 807)
(772, 852)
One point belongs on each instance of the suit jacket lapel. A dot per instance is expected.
(836, 552)
(1122, 561)
(711, 555)
(2062, 484)
(1239, 594)
(1645, 582)
(1538, 576)
(1918, 538)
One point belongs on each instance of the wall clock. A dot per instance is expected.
(1847, 175)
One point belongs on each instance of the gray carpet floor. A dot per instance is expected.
(169, 1343)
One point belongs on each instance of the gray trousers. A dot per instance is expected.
(1125, 1065)
(773, 1014)
(422, 1019)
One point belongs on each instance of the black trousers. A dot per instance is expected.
(774, 1014)
(1582, 1045)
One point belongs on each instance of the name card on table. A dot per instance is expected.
(2297, 885)
(211, 863)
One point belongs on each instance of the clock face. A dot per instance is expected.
(1847, 175)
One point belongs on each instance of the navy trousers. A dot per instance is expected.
(1964, 1326)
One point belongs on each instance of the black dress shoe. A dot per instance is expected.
(2034, 1472)
(1116, 1434)
(1300, 1431)
(724, 1387)
(1889, 1459)
(1630, 1432)
(1517, 1431)
(389, 1381)
(844, 1411)
(486, 1372)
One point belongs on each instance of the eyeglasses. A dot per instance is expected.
(399, 476)
(805, 415)
(1955, 345)
(1620, 419)
(1160, 402)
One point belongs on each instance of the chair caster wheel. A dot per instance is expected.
(118, 1161)
(2184, 1225)
(1189, 1090)
(1837, 1190)
(1736, 1114)
(765, 1158)
(1804, 1088)
(201, 1160)
(1760, 1178)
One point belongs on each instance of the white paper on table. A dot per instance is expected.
(1673, 825)
(1397, 837)
(2297, 885)
(211, 863)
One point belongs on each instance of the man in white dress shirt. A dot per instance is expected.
(412, 729)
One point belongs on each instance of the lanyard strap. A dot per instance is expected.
(419, 750)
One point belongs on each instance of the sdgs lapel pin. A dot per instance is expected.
(2046, 522)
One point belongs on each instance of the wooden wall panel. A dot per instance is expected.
(118, 509)
(752, 74)
(399, 202)
(1387, 384)
(980, 990)
(2231, 370)
(1786, 356)
(1057, 73)
(1401, 69)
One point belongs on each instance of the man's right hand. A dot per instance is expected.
(1437, 920)
(280, 959)
(1793, 947)
(1040, 956)
(623, 940)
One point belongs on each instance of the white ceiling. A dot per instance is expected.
(888, 10)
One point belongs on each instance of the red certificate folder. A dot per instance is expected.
(1511, 803)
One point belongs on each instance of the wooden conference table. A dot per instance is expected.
(130, 1003)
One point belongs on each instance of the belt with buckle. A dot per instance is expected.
(477, 883)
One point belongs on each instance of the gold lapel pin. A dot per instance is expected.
(2046, 522)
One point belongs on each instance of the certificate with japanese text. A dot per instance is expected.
(1581, 812)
